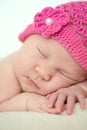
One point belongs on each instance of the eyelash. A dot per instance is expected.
(63, 74)
(41, 53)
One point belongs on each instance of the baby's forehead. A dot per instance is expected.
(45, 43)
(52, 46)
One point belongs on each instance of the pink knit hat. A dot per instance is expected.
(67, 24)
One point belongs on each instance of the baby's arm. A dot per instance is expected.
(27, 102)
(70, 95)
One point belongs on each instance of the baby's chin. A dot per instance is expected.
(44, 92)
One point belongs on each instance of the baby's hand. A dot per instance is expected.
(65, 98)
(38, 103)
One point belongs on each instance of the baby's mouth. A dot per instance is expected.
(31, 82)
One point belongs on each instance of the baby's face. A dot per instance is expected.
(44, 66)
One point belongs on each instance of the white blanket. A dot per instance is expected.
(40, 121)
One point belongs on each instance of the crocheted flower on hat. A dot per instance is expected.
(50, 21)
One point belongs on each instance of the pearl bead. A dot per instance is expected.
(49, 21)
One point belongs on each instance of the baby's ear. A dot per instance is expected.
(86, 46)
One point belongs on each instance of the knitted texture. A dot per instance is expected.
(67, 24)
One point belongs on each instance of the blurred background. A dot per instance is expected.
(15, 15)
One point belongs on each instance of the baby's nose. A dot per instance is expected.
(43, 73)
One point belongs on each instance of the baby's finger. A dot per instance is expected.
(60, 102)
(44, 107)
(48, 110)
(81, 100)
(51, 110)
(70, 104)
(52, 100)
